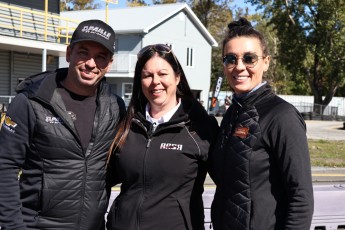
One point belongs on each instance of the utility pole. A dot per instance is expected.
(106, 7)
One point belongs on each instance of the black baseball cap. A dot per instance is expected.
(96, 31)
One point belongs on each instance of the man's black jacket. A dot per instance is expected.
(61, 186)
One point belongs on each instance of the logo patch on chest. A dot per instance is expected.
(241, 132)
(171, 146)
(53, 120)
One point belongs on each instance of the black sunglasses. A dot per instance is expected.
(249, 60)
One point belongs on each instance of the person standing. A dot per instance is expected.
(57, 133)
(161, 149)
(261, 162)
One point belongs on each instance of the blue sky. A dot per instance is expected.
(122, 4)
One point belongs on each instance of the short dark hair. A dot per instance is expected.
(243, 28)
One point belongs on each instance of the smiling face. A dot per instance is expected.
(243, 79)
(89, 62)
(159, 85)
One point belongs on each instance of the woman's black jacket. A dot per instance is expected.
(162, 172)
(261, 166)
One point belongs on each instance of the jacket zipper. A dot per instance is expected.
(92, 139)
(68, 126)
(82, 199)
(141, 201)
(82, 194)
(148, 145)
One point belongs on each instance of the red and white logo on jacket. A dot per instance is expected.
(171, 146)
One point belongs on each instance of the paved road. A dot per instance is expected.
(326, 130)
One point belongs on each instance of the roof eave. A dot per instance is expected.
(194, 18)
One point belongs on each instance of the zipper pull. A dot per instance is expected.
(148, 143)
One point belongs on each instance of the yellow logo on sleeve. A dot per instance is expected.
(9, 122)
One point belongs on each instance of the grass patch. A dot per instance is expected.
(327, 153)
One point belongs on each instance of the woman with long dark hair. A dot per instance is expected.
(160, 152)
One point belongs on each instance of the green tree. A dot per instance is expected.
(156, 2)
(66, 5)
(135, 3)
(311, 42)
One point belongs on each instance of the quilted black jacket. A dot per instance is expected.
(261, 166)
(61, 186)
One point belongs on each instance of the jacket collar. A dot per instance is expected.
(254, 97)
(43, 85)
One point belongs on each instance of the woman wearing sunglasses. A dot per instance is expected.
(260, 163)
(161, 149)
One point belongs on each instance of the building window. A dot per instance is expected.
(127, 92)
(190, 55)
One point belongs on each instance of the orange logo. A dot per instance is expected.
(241, 132)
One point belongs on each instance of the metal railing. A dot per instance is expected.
(317, 112)
(22, 22)
(6, 99)
(124, 63)
(34, 24)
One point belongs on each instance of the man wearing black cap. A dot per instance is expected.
(55, 139)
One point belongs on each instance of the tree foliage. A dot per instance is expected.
(311, 43)
(156, 2)
(68, 5)
(135, 3)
